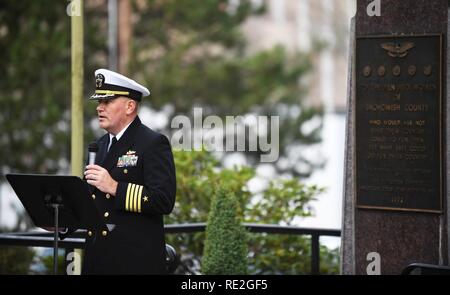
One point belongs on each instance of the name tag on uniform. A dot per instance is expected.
(128, 160)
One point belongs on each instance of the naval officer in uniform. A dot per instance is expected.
(133, 183)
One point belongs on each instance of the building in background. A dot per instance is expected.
(303, 25)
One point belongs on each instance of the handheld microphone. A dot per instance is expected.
(93, 149)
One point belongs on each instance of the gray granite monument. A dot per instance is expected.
(395, 205)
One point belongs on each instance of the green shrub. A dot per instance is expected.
(226, 239)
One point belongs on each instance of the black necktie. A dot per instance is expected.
(113, 141)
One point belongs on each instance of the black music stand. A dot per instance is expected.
(57, 201)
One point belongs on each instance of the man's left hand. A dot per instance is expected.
(100, 178)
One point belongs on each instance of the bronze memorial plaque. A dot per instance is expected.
(398, 115)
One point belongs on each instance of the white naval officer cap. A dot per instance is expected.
(109, 85)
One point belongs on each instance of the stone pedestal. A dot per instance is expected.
(395, 198)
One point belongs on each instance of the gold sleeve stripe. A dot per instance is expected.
(131, 208)
(136, 188)
(127, 208)
(140, 198)
(130, 186)
(135, 199)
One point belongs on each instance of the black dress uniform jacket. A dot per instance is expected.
(142, 164)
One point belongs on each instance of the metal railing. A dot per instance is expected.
(76, 241)
(271, 229)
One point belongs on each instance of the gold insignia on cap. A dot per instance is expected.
(99, 80)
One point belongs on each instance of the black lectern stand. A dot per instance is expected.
(57, 201)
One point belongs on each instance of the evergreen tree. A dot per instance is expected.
(225, 245)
